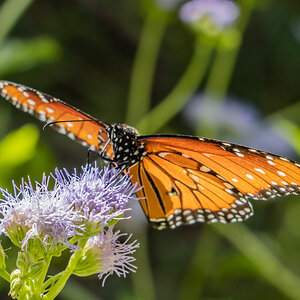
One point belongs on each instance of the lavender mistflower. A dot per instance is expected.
(107, 255)
(99, 195)
(38, 213)
(54, 216)
(221, 12)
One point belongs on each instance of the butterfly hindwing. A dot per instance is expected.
(192, 180)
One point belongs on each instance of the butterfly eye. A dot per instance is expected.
(120, 134)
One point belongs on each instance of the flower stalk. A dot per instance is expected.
(184, 89)
(65, 275)
(144, 64)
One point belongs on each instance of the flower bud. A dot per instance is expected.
(16, 283)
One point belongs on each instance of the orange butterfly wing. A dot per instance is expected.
(90, 133)
(187, 180)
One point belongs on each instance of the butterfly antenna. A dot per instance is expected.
(88, 156)
(64, 121)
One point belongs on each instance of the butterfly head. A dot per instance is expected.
(126, 147)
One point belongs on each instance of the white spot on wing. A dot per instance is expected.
(204, 169)
(49, 110)
(161, 154)
(281, 173)
(259, 170)
(31, 102)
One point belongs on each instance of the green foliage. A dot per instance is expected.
(18, 146)
(19, 55)
(85, 52)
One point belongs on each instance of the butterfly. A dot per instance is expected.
(184, 179)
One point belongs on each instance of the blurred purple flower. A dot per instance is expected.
(237, 122)
(221, 12)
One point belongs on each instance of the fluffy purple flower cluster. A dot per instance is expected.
(99, 195)
(56, 215)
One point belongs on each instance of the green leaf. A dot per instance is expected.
(290, 132)
(18, 55)
(18, 146)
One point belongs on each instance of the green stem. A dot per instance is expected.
(222, 69)
(200, 266)
(289, 131)
(10, 12)
(144, 64)
(262, 258)
(143, 281)
(5, 275)
(59, 285)
(41, 279)
(185, 88)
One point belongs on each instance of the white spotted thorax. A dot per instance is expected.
(127, 149)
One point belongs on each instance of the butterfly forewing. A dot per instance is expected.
(68, 120)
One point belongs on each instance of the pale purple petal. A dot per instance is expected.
(115, 255)
(221, 12)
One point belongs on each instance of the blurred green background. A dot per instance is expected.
(118, 60)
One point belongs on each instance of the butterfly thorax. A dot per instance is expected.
(126, 147)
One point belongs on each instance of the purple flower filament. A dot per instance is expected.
(54, 216)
